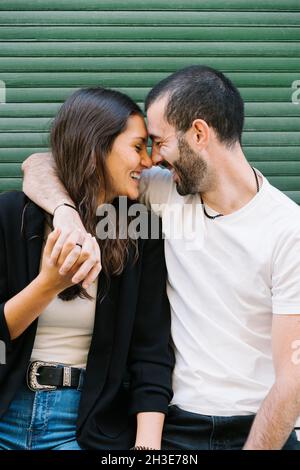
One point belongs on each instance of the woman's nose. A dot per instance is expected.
(146, 160)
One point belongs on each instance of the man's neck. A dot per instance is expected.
(235, 185)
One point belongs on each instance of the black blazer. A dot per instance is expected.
(131, 332)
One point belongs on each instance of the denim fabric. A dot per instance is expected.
(44, 420)
(192, 431)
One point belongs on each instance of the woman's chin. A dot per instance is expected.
(133, 197)
(133, 194)
(130, 193)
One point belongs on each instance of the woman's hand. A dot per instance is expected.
(72, 231)
(26, 306)
(149, 429)
(50, 273)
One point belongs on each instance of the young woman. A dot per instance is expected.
(84, 368)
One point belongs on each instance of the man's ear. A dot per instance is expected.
(200, 132)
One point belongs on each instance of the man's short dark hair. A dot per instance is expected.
(200, 92)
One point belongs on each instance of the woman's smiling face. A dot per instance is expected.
(128, 158)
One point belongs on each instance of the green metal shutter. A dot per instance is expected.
(50, 48)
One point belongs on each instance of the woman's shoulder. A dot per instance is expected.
(12, 200)
(13, 205)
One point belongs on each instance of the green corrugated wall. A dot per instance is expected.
(48, 48)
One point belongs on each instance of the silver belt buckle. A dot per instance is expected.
(32, 374)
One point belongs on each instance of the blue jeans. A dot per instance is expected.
(44, 420)
(192, 431)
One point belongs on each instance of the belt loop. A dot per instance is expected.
(81, 380)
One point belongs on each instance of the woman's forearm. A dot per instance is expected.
(22, 309)
(149, 429)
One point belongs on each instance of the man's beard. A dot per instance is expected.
(192, 170)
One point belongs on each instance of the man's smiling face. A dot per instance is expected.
(173, 151)
(163, 135)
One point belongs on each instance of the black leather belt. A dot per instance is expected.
(50, 376)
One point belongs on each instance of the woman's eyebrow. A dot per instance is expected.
(144, 139)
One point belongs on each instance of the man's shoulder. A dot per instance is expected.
(156, 185)
(157, 174)
(284, 204)
(285, 212)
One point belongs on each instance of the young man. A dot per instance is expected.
(233, 275)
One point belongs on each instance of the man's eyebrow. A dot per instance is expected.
(154, 137)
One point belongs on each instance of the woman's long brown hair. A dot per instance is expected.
(82, 137)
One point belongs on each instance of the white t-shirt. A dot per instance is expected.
(224, 285)
(65, 330)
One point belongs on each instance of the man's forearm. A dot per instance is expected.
(41, 183)
(276, 418)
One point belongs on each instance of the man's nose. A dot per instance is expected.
(155, 156)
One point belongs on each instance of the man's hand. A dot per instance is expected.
(279, 411)
(73, 234)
